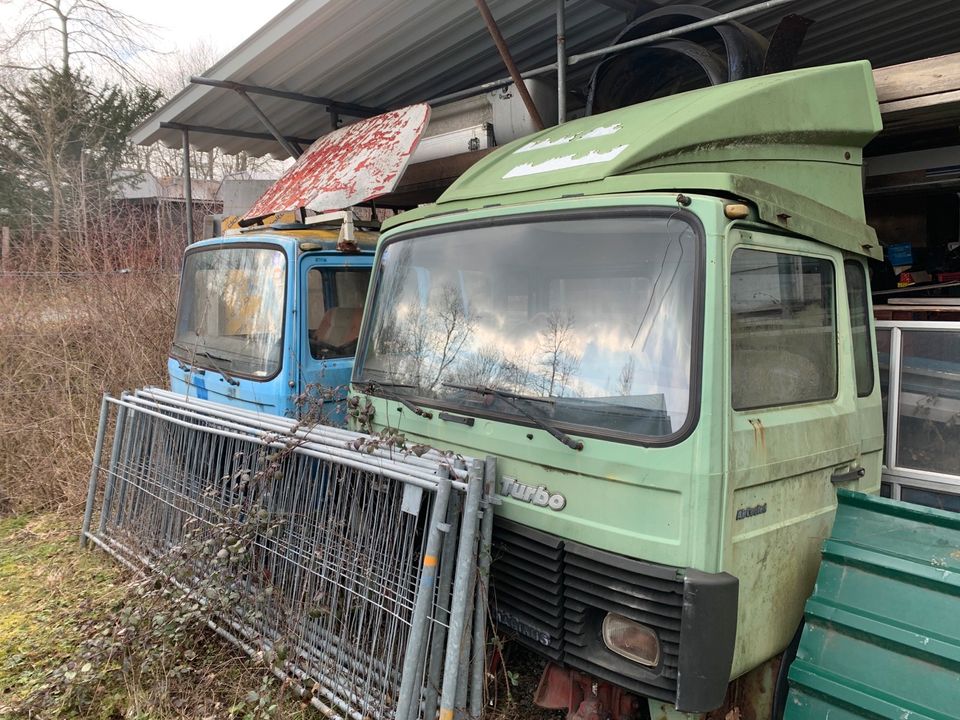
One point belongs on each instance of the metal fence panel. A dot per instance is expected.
(343, 562)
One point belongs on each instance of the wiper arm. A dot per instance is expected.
(508, 398)
(371, 388)
(211, 357)
(204, 353)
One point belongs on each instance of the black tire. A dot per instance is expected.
(782, 687)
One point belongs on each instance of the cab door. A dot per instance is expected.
(793, 430)
(866, 376)
(333, 291)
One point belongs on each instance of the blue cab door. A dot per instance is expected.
(333, 288)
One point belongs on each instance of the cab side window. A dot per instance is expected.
(783, 329)
(334, 310)
(860, 325)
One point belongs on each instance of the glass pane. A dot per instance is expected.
(230, 316)
(930, 498)
(929, 423)
(592, 318)
(883, 362)
(335, 311)
(783, 329)
(859, 325)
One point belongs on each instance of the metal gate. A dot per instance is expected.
(358, 570)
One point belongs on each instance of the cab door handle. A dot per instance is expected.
(846, 476)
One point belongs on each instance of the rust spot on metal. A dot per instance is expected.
(759, 433)
(348, 166)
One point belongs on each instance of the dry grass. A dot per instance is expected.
(64, 341)
(55, 597)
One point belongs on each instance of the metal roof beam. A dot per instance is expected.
(231, 133)
(344, 108)
(292, 148)
(592, 54)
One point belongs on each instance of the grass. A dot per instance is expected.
(54, 597)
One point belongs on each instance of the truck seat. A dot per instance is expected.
(339, 327)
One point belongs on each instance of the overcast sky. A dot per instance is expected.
(181, 24)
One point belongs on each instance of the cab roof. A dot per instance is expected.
(791, 143)
(318, 238)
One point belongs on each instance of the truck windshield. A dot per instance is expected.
(230, 315)
(591, 318)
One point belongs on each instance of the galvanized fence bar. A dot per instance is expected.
(484, 558)
(327, 435)
(94, 473)
(461, 583)
(331, 560)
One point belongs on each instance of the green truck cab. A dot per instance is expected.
(658, 321)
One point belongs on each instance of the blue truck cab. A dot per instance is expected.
(268, 319)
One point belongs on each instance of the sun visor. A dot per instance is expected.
(351, 165)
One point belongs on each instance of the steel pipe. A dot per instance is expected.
(561, 62)
(504, 50)
(187, 188)
(574, 59)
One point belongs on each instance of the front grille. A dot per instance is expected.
(527, 586)
(553, 595)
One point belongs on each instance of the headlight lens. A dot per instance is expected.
(631, 640)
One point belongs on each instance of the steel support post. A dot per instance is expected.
(187, 189)
(561, 62)
(501, 44)
(292, 149)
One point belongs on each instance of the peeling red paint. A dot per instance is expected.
(350, 165)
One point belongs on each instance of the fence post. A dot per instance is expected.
(466, 554)
(416, 642)
(94, 471)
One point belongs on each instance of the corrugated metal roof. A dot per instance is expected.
(881, 638)
(388, 54)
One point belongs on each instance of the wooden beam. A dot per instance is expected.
(922, 78)
(919, 95)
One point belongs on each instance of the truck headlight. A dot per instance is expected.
(631, 640)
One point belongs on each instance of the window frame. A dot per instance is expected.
(329, 292)
(283, 316)
(766, 248)
(868, 326)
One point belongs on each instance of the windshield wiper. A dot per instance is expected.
(212, 358)
(229, 378)
(372, 387)
(509, 397)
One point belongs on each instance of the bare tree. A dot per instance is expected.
(560, 360)
(55, 33)
(171, 74)
(625, 381)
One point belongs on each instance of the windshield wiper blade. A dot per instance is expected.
(226, 376)
(372, 387)
(212, 358)
(509, 397)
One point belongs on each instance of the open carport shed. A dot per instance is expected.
(322, 61)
